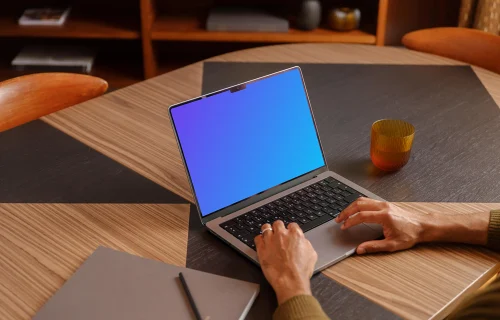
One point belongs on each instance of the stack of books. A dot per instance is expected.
(44, 17)
(55, 58)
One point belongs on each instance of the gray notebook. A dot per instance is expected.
(115, 285)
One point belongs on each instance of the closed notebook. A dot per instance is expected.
(116, 285)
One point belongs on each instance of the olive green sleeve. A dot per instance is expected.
(303, 307)
(494, 230)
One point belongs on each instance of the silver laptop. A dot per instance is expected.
(253, 156)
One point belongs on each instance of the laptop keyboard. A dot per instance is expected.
(309, 207)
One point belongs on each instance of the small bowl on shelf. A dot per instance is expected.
(344, 19)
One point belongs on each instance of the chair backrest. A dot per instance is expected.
(30, 97)
(468, 45)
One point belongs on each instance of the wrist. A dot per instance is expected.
(289, 287)
(431, 228)
(464, 228)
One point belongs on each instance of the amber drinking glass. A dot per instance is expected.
(391, 143)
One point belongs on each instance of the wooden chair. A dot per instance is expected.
(468, 45)
(30, 97)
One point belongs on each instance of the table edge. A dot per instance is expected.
(474, 286)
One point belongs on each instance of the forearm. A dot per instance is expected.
(481, 228)
(464, 228)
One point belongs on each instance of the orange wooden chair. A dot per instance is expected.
(30, 97)
(468, 45)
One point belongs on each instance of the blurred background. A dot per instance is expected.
(126, 41)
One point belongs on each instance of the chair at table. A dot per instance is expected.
(30, 97)
(468, 45)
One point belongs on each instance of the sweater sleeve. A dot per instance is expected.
(494, 230)
(303, 307)
(484, 304)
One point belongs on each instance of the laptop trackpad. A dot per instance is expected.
(332, 244)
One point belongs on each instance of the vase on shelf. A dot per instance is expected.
(309, 15)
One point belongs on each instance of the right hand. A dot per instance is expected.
(402, 229)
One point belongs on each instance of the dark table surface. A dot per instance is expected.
(455, 117)
(41, 164)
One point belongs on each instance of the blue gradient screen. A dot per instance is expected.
(238, 144)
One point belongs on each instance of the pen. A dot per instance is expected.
(190, 297)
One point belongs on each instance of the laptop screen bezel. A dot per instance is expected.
(264, 194)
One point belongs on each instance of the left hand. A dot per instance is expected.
(402, 229)
(287, 259)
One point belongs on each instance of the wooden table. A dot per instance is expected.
(42, 244)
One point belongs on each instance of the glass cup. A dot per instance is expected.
(391, 143)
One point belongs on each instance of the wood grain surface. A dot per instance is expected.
(42, 245)
(427, 281)
(68, 171)
(132, 126)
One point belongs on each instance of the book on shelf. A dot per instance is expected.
(245, 19)
(44, 17)
(55, 58)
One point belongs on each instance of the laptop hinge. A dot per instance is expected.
(264, 195)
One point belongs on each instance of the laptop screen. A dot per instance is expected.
(237, 144)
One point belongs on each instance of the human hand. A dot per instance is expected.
(402, 229)
(287, 259)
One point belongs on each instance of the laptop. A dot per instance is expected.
(253, 156)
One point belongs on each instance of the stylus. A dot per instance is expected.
(190, 297)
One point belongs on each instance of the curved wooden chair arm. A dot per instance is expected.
(468, 45)
(30, 97)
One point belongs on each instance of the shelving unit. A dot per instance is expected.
(133, 32)
(118, 62)
(118, 75)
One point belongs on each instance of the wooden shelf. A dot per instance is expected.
(192, 29)
(77, 26)
(118, 73)
(116, 76)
